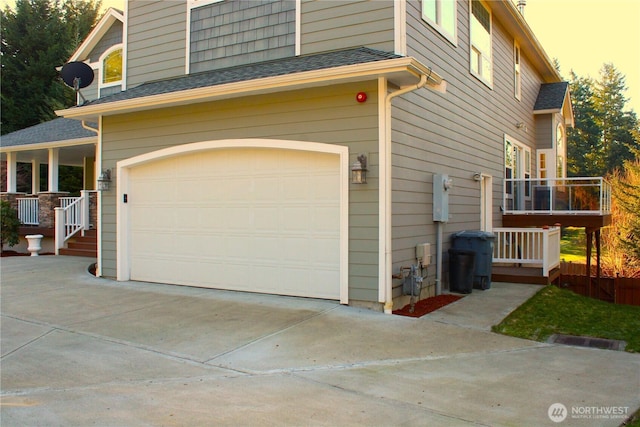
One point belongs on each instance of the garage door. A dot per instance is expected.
(249, 219)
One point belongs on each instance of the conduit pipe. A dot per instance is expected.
(385, 181)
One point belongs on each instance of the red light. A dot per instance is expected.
(361, 97)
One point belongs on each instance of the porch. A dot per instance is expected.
(527, 248)
(70, 222)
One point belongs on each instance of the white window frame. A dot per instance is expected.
(475, 53)
(520, 170)
(437, 24)
(561, 151)
(106, 53)
(517, 71)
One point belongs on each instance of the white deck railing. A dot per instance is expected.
(588, 196)
(536, 247)
(28, 211)
(71, 217)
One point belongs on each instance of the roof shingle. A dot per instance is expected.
(551, 96)
(59, 129)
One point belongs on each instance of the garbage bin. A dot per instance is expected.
(481, 242)
(461, 266)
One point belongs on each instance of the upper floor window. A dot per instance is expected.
(517, 80)
(111, 67)
(480, 23)
(442, 15)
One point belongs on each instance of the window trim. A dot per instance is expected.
(517, 71)
(101, 85)
(561, 157)
(452, 38)
(473, 48)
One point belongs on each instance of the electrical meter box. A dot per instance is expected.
(423, 253)
(441, 186)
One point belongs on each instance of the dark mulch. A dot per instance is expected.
(427, 305)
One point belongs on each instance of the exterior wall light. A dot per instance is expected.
(104, 180)
(359, 170)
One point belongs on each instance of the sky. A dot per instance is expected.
(582, 34)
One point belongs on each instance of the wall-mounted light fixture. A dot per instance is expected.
(104, 180)
(477, 176)
(359, 170)
(521, 125)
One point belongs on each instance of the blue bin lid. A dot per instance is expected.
(473, 234)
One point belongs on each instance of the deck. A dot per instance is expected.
(527, 275)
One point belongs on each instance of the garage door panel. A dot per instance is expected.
(212, 224)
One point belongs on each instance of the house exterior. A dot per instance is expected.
(232, 128)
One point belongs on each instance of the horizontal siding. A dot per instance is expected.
(331, 25)
(156, 45)
(112, 37)
(457, 133)
(326, 115)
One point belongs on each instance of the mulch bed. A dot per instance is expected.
(427, 305)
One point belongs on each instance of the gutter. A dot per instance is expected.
(385, 224)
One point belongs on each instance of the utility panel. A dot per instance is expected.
(423, 253)
(441, 186)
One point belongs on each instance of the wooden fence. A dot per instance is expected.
(619, 290)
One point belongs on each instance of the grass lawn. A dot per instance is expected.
(554, 310)
(573, 245)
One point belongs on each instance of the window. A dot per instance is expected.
(480, 22)
(517, 84)
(112, 67)
(442, 15)
(560, 151)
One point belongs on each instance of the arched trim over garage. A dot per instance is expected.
(125, 168)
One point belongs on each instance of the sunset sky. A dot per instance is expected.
(581, 34)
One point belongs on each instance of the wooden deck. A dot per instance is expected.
(565, 220)
(527, 275)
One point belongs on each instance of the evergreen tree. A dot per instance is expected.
(583, 140)
(37, 37)
(626, 195)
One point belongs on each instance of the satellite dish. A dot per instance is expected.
(77, 75)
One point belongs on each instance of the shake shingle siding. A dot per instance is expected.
(241, 32)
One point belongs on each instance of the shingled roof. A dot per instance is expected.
(240, 73)
(551, 96)
(59, 129)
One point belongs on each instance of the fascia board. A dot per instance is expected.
(96, 34)
(405, 71)
(47, 145)
(549, 111)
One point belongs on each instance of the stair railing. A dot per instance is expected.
(71, 218)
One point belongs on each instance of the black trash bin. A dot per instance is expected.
(481, 242)
(461, 268)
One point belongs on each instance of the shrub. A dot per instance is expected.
(10, 225)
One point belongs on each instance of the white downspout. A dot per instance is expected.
(385, 192)
(89, 128)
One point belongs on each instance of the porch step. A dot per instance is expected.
(86, 246)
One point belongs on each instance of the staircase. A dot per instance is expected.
(86, 245)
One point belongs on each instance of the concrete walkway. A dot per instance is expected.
(79, 350)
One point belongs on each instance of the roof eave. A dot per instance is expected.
(400, 71)
(50, 144)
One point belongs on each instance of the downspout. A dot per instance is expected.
(89, 128)
(388, 283)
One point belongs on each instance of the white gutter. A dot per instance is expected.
(385, 223)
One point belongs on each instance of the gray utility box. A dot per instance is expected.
(481, 242)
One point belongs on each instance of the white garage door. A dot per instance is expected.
(250, 219)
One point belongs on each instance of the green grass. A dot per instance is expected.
(553, 310)
(573, 245)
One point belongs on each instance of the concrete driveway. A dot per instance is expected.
(79, 350)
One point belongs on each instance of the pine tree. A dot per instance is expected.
(37, 37)
(583, 140)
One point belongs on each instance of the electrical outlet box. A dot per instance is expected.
(441, 187)
(423, 253)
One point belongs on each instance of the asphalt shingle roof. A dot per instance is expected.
(254, 71)
(551, 96)
(59, 129)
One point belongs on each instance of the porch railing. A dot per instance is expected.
(589, 196)
(28, 211)
(71, 217)
(535, 247)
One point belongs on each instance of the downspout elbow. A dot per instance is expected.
(89, 128)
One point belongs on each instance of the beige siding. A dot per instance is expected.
(326, 115)
(156, 45)
(331, 25)
(458, 133)
(544, 129)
